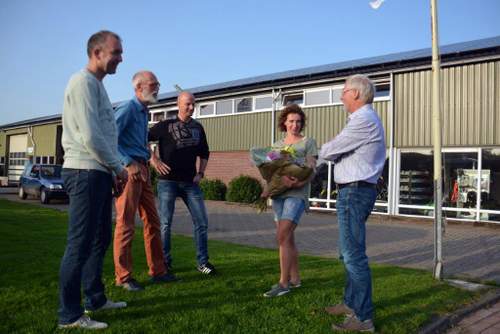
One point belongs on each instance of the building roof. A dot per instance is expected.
(448, 53)
(32, 121)
(395, 60)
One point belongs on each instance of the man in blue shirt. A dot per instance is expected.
(358, 153)
(132, 123)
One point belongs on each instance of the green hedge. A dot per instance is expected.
(213, 189)
(244, 189)
(154, 179)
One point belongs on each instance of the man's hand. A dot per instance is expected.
(135, 172)
(119, 182)
(197, 178)
(123, 176)
(161, 167)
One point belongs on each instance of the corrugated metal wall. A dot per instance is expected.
(470, 106)
(3, 144)
(241, 132)
(238, 132)
(323, 123)
(45, 139)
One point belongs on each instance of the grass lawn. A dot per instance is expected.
(32, 241)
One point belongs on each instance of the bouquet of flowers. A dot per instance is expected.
(273, 163)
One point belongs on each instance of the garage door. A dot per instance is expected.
(18, 145)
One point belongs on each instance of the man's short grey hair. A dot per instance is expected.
(98, 39)
(363, 85)
(138, 78)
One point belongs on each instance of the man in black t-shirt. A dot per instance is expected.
(181, 141)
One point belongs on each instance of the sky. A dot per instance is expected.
(200, 42)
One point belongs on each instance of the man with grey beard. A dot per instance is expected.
(132, 123)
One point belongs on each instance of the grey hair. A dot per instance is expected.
(363, 85)
(98, 39)
(138, 78)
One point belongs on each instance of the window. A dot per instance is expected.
(336, 94)
(157, 117)
(382, 91)
(44, 160)
(38, 160)
(317, 97)
(244, 104)
(51, 160)
(172, 114)
(293, 99)
(224, 107)
(207, 109)
(490, 184)
(263, 102)
(415, 182)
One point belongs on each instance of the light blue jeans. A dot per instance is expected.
(192, 196)
(288, 208)
(354, 205)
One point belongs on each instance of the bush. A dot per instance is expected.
(244, 189)
(213, 189)
(154, 179)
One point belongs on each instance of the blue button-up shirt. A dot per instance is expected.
(358, 151)
(132, 124)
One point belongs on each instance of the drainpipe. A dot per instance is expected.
(30, 133)
(275, 98)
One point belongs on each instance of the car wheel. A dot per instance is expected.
(22, 194)
(44, 197)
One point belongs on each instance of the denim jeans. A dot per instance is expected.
(192, 196)
(354, 205)
(89, 236)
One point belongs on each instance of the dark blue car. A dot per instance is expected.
(43, 181)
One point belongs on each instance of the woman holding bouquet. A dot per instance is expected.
(289, 206)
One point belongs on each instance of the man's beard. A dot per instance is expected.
(151, 97)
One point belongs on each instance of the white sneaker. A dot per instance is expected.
(110, 305)
(86, 323)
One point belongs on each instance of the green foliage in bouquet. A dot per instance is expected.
(214, 190)
(244, 189)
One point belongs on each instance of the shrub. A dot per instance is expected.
(213, 189)
(244, 189)
(154, 179)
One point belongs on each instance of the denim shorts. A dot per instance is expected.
(288, 208)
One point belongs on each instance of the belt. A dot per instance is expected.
(358, 184)
(142, 161)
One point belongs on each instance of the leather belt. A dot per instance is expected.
(358, 184)
(140, 160)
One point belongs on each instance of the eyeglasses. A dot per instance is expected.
(152, 84)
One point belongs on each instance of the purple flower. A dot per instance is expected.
(273, 155)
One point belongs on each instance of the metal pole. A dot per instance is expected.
(273, 118)
(436, 130)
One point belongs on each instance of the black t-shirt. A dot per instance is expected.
(179, 144)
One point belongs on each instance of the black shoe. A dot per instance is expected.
(207, 269)
(168, 277)
(131, 285)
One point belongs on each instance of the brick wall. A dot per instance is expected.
(227, 165)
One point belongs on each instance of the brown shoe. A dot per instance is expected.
(339, 309)
(353, 324)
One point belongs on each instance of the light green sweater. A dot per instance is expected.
(89, 136)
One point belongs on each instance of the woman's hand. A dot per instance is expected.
(290, 181)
